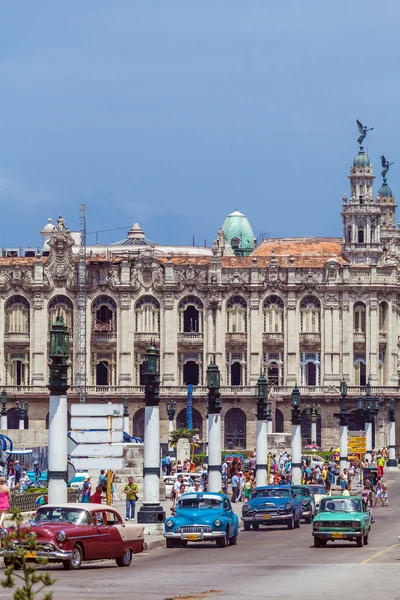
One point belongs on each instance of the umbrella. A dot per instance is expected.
(312, 447)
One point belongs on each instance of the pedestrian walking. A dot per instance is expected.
(234, 483)
(37, 473)
(131, 493)
(168, 465)
(86, 490)
(97, 497)
(380, 464)
(18, 472)
(5, 500)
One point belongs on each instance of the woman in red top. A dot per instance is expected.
(96, 498)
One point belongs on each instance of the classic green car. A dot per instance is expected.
(342, 518)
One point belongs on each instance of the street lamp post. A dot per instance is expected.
(296, 437)
(58, 413)
(151, 512)
(313, 413)
(391, 464)
(261, 431)
(214, 427)
(126, 416)
(343, 417)
(369, 407)
(269, 416)
(3, 424)
(171, 411)
(22, 410)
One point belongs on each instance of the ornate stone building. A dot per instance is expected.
(303, 310)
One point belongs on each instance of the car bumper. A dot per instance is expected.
(270, 519)
(306, 512)
(51, 555)
(338, 535)
(195, 537)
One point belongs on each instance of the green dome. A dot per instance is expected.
(361, 160)
(238, 233)
(385, 191)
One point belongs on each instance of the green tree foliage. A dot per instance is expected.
(183, 432)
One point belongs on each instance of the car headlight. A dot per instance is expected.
(169, 523)
(304, 503)
(245, 508)
(356, 524)
(61, 536)
(288, 506)
(48, 547)
(317, 524)
(217, 523)
(3, 534)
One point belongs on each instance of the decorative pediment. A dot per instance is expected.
(61, 268)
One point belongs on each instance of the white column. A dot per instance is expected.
(368, 435)
(127, 425)
(296, 454)
(391, 464)
(170, 429)
(3, 423)
(261, 452)
(21, 424)
(313, 432)
(214, 453)
(344, 464)
(58, 456)
(269, 426)
(152, 454)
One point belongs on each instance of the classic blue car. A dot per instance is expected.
(202, 517)
(272, 505)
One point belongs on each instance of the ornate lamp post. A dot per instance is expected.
(3, 424)
(152, 513)
(391, 464)
(22, 410)
(313, 413)
(126, 416)
(369, 407)
(171, 412)
(214, 427)
(270, 418)
(58, 413)
(296, 437)
(261, 431)
(343, 417)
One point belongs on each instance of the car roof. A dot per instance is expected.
(81, 505)
(340, 497)
(272, 487)
(299, 485)
(218, 495)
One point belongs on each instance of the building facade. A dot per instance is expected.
(310, 311)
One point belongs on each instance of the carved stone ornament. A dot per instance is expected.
(147, 272)
(61, 268)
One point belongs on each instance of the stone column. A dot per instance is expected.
(261, 452)
(391, 464)
(169, 342)
(38, 342)
(346, 366)
(372, 345)
(214, 452)
(344, 461)
(125, 341)
(326, 342)
(291, 349)
(58, 457)
(368, 436)
(220, 340)
(336, 339)
(254, 345)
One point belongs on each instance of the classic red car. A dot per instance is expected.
(73, 533)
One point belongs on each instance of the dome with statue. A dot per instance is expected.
(238, 233)
(361, 160)
(385, 191)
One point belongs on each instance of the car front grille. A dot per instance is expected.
(195, 529)
(327, 524)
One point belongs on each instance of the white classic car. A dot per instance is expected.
(318, 491)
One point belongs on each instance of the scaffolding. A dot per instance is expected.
(80, 329)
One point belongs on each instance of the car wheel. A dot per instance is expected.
(308, 519)
(170, 543)
(246, 526)
(74, 563)
(126, 559)
(183, 543)
(256, 526)
(297, 524)
(317, 542)
(8, 562)
(366, 540)
(290, 524)
(233, 540)
(360, 542)
(223, 542)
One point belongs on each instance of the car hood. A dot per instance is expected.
(197, 516)
(47, 530)
(260, 502)
(338, 516)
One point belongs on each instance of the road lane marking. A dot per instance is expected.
(367, 560)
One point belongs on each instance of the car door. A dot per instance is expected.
(230, 516)
(114, 521)
(102, 539)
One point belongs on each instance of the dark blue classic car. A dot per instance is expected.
(272, 505)
(202, 517)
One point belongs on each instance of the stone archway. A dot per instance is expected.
(306, 429)
(235, 429)
(279, 421)
(138, 424)
(181, 421)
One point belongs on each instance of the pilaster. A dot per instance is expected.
(125, 337)
(38, 341)
(169, 342)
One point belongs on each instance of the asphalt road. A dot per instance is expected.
(266, 564)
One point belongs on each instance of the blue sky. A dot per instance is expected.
(175, 113)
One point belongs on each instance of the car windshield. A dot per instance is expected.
(275, 493)
(199, 503)
(63, 515)
(317, 489)
(339, 505)
(301, 491)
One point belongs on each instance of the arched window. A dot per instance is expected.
(383, 316)
(17, 368)
(310, 315)
(360, 369)
(359, 317)
(17, 310)
(68, 420)
(181, 421)
(61, 306)
(190, 315)
(147, 315)
(191, 373)
(104, 314)
(360, 235)
(349, 234)
(235, 241)
(306, 429)
(235, 429)
(273, 373)
(138, 424)
(236, 315)
(13, 419)
(279, 421)
(273, 315)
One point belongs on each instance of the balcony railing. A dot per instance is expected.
(104, 336)
(236, 339)
(359, 337)
(190, 338)
(17, 336)
(308, 339)
(147, 337)
(273, 338)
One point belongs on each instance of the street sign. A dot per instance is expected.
(96, 464)
(97, 410)
(71, 471)
(71, 444)
(97, 422)
(97, 450)
(98, 437)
